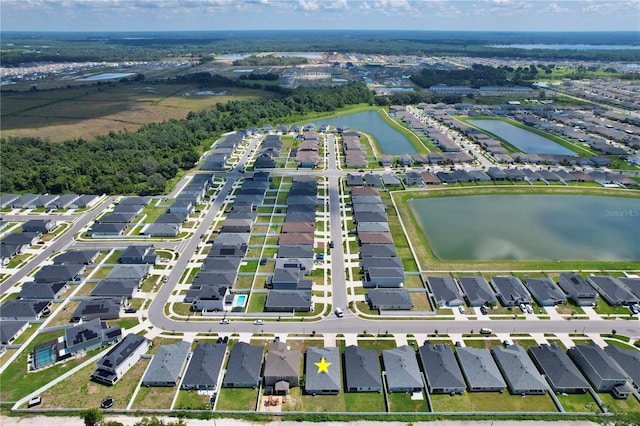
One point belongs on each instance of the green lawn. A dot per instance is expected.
(364, 402)
(190, 400)
(256, 302)
(619, 405)
(579, 403)
(154, 397)
(297, 401)
(378, 344)
(88, 394)
(402, 403)
(243, 399)
(492, 401)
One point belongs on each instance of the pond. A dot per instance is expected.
(389, 139)
(530, 227)
(106, 76)
(522, 139)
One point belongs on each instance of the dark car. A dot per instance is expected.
(107, 403)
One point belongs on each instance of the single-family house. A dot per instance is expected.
(577, 289)
(519, 371)
(445, 291)
(612, 290)
(402, 370)
(561, 373)
(166, 365)
(602, 372)
(120, 359)
(362, 370)
(281, 368)
(323, 371)
(628, 360)
(545, 291)
(510, 291)
(441, 369)
(243, 368)
(476, 291)
(204, 367)
(389, 299)
(480, 370)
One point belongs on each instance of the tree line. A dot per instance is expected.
(142, 162)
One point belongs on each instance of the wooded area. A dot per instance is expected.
(142, 162)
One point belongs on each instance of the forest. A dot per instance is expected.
(143, 162)
(18, 47)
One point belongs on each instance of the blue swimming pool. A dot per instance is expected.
(239, 301)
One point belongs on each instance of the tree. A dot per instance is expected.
(154, 421)
(92, 416)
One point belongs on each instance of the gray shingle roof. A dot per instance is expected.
(401, 367)
(440, 366)
(628, 360)
(318, 380)
(477, 290)
(8, 330)
(445, 291)
(479, 368)
(362, 368)
(243, 369)
(167, 363)
(204, 366)
(518, 369)
(545, 291)
(560, 371)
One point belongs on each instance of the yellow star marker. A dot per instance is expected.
(323, 365)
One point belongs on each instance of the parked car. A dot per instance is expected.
(461, 309)
(225, 321)
(339, 312)
(483, 310)
(485, 330)
(107, 402)
(36, 400)
(258, 322)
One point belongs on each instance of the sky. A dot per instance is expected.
(211, 15)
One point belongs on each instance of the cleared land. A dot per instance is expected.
(88, 111)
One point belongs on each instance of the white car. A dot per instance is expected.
(224, 321)
(258, 322)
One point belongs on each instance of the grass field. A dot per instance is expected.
(87, 111)
(243, 399)
(402, 403)
(88, 394)
(154, 397)
(579, 403)
(492, 401)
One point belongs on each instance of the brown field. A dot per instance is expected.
(87, 111)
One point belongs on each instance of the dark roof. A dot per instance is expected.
(378, 250)
(479, 368)
(123, 288)
(288, 300)
(166, 365)
(244, 365)
(122, 351)
(401, 366)
(55, 273)
(48, 291)
(97, 308)
(445, 290)
(628, 360)
(362, 368)
(323, 381)
(545, 291)
(476, 290)
(84, 257)
(596, 357)
(612, 290)
(560, 371)
(389, 299)
(518, 370)
(511, 290)
(8, 330)
(440, 366)
(204, 367)
(23, 309)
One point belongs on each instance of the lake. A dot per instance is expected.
(390, 140)
(568, 46)
(530, 227)
(522, 139)
(106, 76)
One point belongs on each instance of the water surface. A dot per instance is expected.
(522, 139)
(531, 227)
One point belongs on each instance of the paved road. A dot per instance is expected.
(60, 244)
(350, 323)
